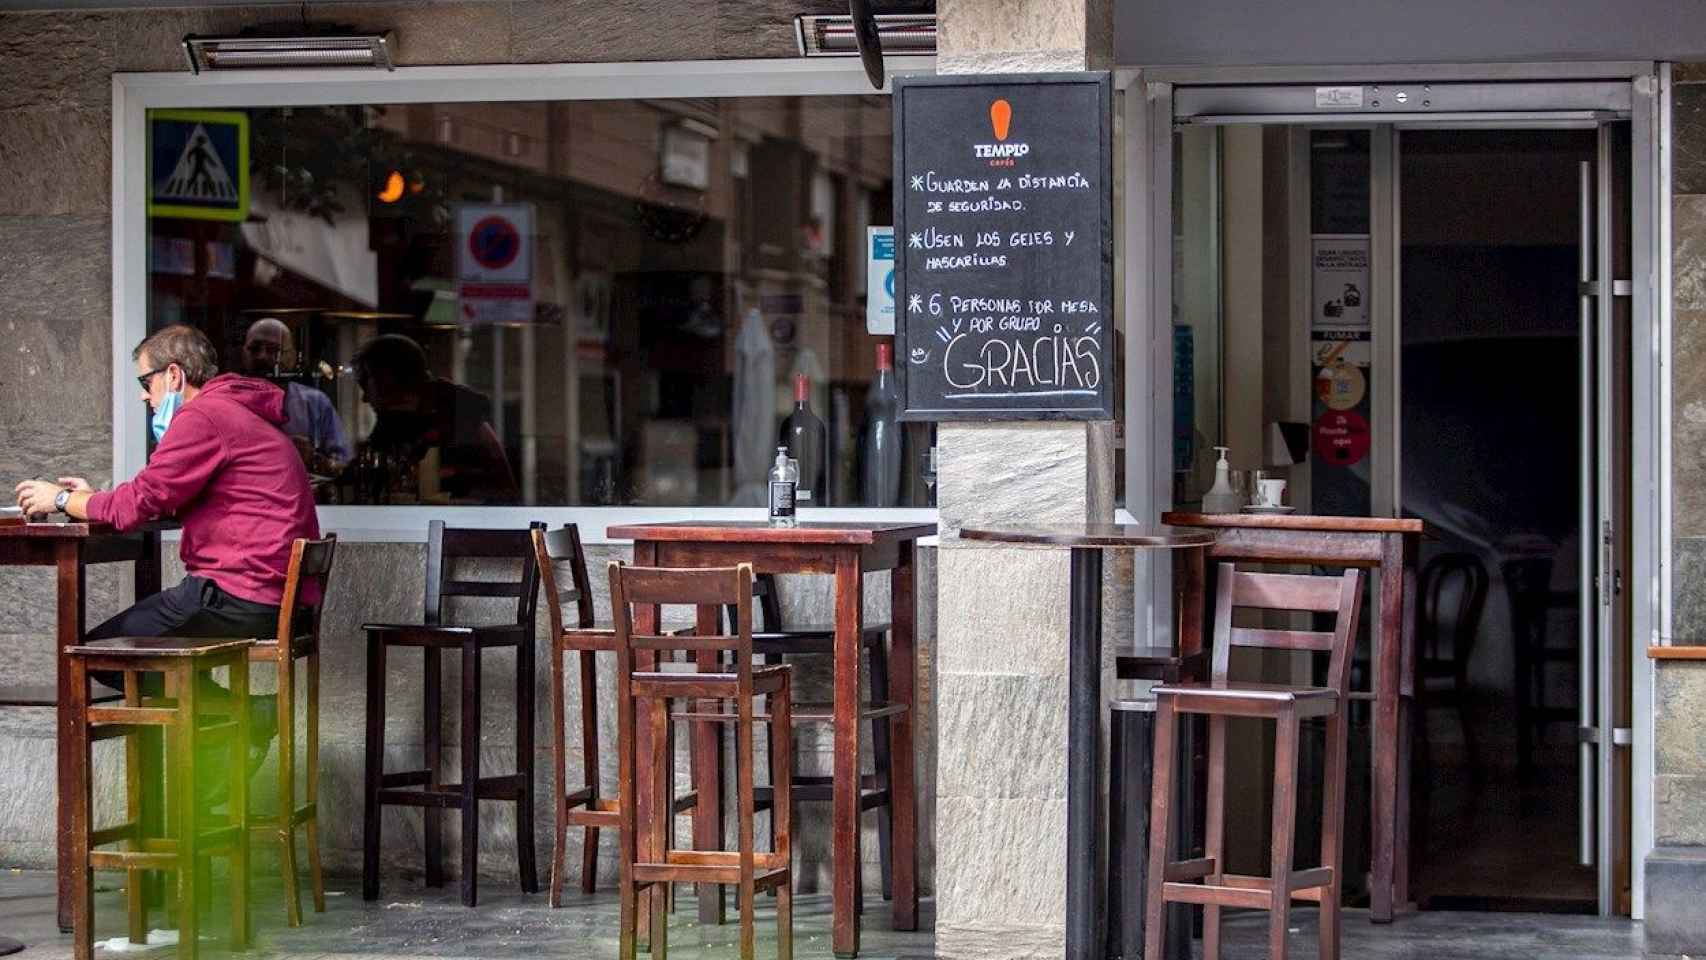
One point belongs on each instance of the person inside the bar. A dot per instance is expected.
(417, 414)
(310, 420)
(224, 469)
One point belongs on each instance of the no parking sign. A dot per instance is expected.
(494, 262)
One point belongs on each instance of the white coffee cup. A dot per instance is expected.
(1270, 492)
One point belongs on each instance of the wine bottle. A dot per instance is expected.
(807, 440)
(882, 447)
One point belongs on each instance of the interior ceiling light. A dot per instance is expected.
(317, 50)
(833, 35)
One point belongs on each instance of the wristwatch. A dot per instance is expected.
(61, 500)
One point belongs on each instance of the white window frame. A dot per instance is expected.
(134, 94)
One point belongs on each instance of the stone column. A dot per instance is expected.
(1002, 626)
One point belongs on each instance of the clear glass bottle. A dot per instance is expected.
(784, 479)
(807, 442)
(883, 455)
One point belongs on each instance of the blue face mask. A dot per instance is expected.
(163, 414)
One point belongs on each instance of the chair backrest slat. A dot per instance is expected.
(1286, 591)
(481, 588)
(551, 547)
(1339, 595)
(1318, 641)
(683, 586)
(447, 547)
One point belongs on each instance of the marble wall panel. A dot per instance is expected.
(1688, 127)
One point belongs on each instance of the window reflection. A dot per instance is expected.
(563, 303)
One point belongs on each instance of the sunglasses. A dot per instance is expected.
(145, 379)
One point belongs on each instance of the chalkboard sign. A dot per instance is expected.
(1003, 222)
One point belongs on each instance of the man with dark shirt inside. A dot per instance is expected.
(417, 412)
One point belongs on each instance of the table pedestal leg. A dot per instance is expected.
(1388, 649)
(1084, 751)
(68, 557)
(844, 817)
(903, 790)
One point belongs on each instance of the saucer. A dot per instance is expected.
(1255, 508)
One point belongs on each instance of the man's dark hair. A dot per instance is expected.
(398, 357)
(185, 346)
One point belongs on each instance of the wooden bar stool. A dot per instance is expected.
(446, 549)
(713, 698)
(298, 639)
(188, 716)
(1219, 698)
(586, 807)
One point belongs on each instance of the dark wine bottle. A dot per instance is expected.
(807, 440)
(882, 449)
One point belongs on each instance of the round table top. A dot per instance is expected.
(1103, 535)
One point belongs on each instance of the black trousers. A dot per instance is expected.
(194, 608)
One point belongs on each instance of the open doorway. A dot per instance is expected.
(1490, 418)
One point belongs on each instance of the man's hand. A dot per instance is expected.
(36, 497)
(76, 484)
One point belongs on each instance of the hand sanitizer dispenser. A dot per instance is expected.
(1221, 498)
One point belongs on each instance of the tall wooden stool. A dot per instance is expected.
(188, 717)
(298, 639)
(713, 698)
(586, 807)
(1219, 698)
(446, 549)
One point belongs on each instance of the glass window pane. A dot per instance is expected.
(554, 303)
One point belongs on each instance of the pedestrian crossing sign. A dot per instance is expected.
(198, 164)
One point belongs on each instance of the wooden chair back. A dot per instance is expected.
(663, 586)
(310, 565)
(1338, 595)
(1470, 575)
(447, 547)
(551, 547)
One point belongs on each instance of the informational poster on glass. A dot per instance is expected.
(1003, 213)
(1341, 359)
(1340, 269)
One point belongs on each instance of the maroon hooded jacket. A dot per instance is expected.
(233, 479)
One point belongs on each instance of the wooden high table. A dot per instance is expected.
(1084, 831)
(69, 548)
(1388, 546)
(846, 551)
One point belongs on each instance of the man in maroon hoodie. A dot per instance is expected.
(224, 468)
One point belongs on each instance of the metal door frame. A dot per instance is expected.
(1148, 122)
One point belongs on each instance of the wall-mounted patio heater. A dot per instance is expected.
(248, 51)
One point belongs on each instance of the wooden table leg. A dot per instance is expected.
(903, 789)
(707, 740)
(645, 622)
(1406, 733)
(151, 745)
(68, 563)
(1388, 644)
(844, 832)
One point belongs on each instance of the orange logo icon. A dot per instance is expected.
(1001, 117)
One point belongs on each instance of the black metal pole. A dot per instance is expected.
(1084, 752)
